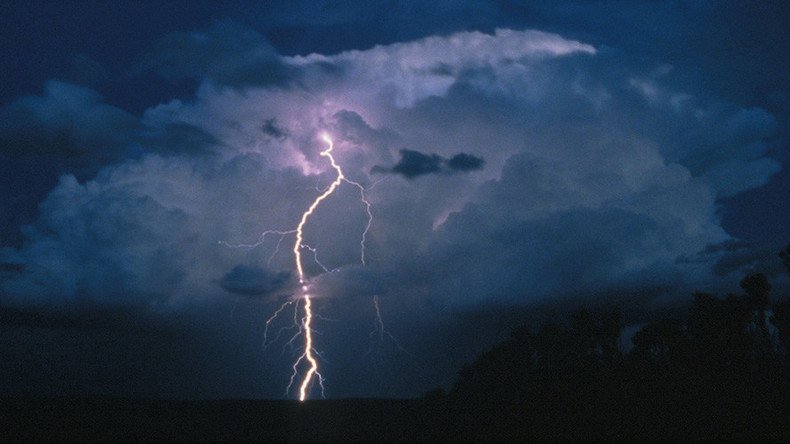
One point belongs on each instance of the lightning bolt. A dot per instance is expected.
(307, 354)
(305, 327)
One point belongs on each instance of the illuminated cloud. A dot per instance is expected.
(592, 180)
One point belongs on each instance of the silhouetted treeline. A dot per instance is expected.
(722, 372)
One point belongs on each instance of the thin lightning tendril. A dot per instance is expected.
(315, 257)
(379, 320)
(382, 332)
(260, 241)
(270, 320)
(365, 201)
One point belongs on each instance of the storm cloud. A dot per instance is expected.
(577, 155)
(541, 166)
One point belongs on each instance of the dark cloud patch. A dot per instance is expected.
(272, 129)
(465, 162)
(226, 53)
(414, 164)
(253, 281)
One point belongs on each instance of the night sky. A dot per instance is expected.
(519, 157)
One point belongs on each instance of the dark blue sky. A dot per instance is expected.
(523, 154)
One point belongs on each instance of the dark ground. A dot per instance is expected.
(112, 419)
(103, 419)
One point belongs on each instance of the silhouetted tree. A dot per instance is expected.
(781, 320)
(758, 289)
(661, 343)
(785, 256)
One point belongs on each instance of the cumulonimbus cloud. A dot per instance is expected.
(571, 150)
